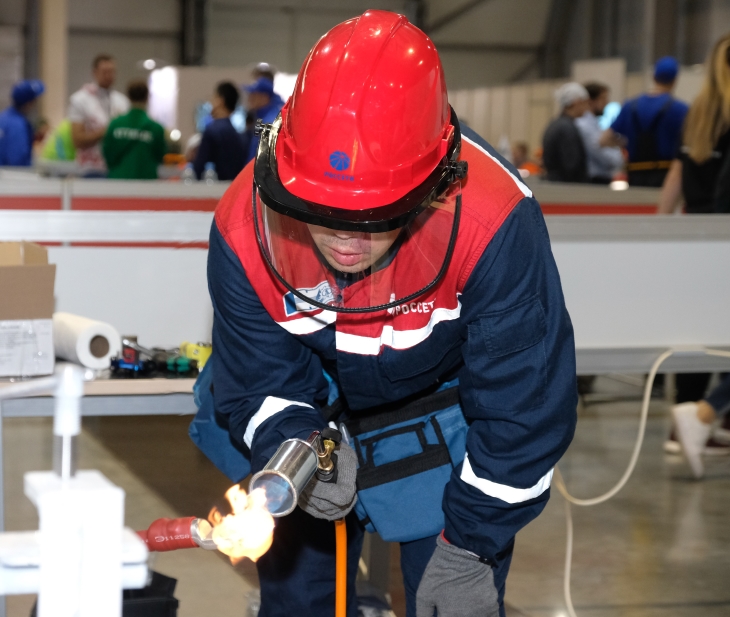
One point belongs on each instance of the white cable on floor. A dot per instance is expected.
(560, 483)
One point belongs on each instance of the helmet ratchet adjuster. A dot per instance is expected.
(459, 169)
(261, 128)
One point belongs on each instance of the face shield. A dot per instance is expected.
(356, 261)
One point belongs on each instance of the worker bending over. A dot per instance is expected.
(379, 265)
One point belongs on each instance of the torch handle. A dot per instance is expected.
(169, 534)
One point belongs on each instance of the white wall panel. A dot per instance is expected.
(499, 115)
(519, 102)
(161, 295)
(480, 112)
(645, 294)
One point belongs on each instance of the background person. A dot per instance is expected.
(91, 109)
(221, 144)
(701, 176)
(264, 104)
(521, 160)
(693, 424)
(564, 154)
(134, 144)
(16, 131)
(59, 145)
(603, 161)
(700, 173)
(650, 126)
(456, 517)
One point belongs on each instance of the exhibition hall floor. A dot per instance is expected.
(660, 548)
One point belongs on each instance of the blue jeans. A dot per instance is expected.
(719, 398)
(297, 574)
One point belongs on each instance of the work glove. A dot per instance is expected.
(456, 584)
(333, 500)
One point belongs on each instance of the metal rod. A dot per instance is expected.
(2, 493)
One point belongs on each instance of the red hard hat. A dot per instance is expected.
(361, 165)
(368, 124)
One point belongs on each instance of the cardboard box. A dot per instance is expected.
(26, 310)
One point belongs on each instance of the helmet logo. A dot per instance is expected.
(339, 160)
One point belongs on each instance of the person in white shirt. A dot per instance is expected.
(603, 162)
(91, 109)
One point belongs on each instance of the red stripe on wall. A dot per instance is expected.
(30, 202)
(143, 203)
(145, 245)
(589, 209)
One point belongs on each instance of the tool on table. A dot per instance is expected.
(136, 360)
(200, 352)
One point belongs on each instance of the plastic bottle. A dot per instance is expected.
(188, 174)
(209, 175)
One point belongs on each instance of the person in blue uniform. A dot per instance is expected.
(264, 104)
(221, 143)
(380, 266)
(650, 127)
(16, 131)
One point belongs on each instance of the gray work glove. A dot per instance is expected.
(456, 584)
(333, 500)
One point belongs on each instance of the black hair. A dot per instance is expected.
(595, 89)
(229, 93)
(137, 91)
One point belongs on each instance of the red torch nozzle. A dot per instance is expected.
(170, 534)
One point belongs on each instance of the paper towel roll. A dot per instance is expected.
(85, 341)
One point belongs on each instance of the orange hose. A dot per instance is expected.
(340, 568)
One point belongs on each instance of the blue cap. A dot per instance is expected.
(665, 70)
(27, 90)
(262, 84)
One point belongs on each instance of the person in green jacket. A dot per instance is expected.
(134, 144)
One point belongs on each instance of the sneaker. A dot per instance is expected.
(714, 446)
(692, 435)
(722, 432)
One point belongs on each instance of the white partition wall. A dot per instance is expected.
(634, 285)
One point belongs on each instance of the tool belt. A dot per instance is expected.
(210, 433)
(648, 165)
(406, 452)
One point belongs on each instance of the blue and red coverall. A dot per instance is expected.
(497, 321)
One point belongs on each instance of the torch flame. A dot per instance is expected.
(248, 531)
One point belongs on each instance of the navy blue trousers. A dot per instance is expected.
(297, 574)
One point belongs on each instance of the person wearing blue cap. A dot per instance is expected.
(16, 131)
(650, 127)
(221, 145)
(265, 104)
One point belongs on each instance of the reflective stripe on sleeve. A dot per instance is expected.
(308, 325)
(271, 406)
(503, 492)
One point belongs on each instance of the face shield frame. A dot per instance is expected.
(397, 215)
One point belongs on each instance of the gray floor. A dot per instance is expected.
(660, 548)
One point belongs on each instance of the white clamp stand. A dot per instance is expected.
(82, 556)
